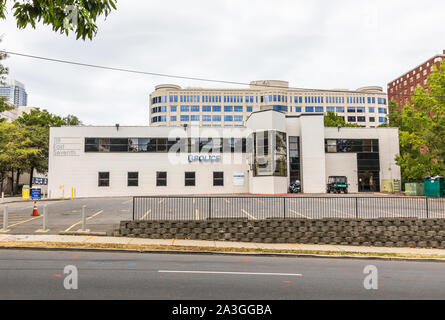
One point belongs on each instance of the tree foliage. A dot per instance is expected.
(63, 16)
(333, 120)
(422, 130)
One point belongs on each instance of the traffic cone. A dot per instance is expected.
(35, 212)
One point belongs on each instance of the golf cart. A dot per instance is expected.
(295, 187)
(337, 184)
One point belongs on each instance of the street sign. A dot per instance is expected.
(36, 194)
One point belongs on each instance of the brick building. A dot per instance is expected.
(401, 89)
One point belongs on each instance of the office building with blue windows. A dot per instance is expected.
(15, 93)
(171, 105)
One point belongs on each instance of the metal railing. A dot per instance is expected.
(268, 207)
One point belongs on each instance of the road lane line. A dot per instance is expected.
(21, 222)
(344, 213)
(99, 212)
(194, 200)
(125, 202)
(234, 273)
(297, 213)
(162, 200)
(146, 214)
(248, 214)
(197, 214)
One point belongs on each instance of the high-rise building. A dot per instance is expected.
(171, 105)
(15, 93)
(402, 88)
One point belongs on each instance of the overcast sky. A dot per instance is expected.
(312, 44)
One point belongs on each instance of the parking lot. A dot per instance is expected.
(65, 215)
(103, 214)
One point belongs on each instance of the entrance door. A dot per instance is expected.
(366, 182)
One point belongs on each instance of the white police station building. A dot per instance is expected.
(264, 156)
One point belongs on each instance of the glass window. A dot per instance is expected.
(218, 179)
(340, 109)
(361, 119)
(206, 118)
(173, 118)
(104, 179)
(161, 179)
(330, 109)
(371, 110)
(194, 118)
(361, 109)
(309, 109)
(238, 118)
(383, 110)
(351, 119)
(185, 109)
(371, 119)
(216, 108)
(216, 118)
(249, 109)
(184, 118)
(238, 109)
(228, 118)
(133, 179)
(319, 109)
(382, 120)
(194, 108)
(91, 145)
(173, 109)
(297, 109)
(351, 109)
(228, 108)
(119, 145)
(206, 109)
(190, 179)
(331, 145)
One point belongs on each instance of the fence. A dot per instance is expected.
(260, 208)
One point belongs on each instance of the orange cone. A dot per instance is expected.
(35, 212)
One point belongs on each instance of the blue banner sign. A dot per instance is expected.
(204, 158)
(36, 194)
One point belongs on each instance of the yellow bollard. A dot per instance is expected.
(72, 193)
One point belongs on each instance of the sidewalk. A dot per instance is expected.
(221, 247)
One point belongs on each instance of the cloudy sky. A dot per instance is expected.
(312, 44)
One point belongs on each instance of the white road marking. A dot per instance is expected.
(234, 273)
(99, 212)
(248, 214)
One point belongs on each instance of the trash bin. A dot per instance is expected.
(25, 192)
(434, 186)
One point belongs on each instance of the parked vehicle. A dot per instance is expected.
(295, 187)
(337, 184)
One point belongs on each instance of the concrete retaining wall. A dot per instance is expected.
(400, 232)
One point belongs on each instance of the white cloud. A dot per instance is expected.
(315, 44)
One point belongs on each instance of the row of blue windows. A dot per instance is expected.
(269, 98)
(340, 109)
(158, 109)
(208, 109)
(205, 118)
(159, 119)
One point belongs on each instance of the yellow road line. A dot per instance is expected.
(146, 214)
(16, 224)
(248, 214)
(99, 212)
(194, 200)
(226, 200)
(197, 214)
(125, 202)
(162, 200)
(297, 213)
(344, 213)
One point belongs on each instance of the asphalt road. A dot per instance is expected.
(40, 275)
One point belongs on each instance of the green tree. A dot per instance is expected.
(16, 150)
(422, 130)
(78, 16)
(333, 120)
(37, 124)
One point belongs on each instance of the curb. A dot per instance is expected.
(222, 253)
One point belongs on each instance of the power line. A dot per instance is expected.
(191, 78)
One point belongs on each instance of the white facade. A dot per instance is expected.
(79, 154)
(171, 105)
